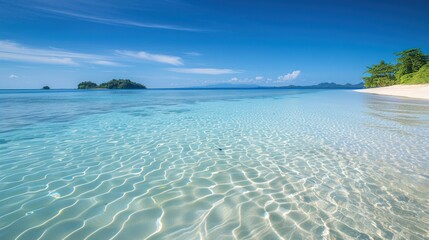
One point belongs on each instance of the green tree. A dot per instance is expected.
(112, 84)
(87, 85)
(419, 77)
(382, 74)
(410, 61)
(121, 84)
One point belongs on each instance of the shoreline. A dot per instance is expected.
(419, 91)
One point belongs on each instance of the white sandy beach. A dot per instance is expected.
(420, 91)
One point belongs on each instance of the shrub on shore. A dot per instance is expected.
(419, 77)
(412, 68)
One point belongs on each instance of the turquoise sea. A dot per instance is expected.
(212, 164)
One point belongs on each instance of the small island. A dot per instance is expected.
(46, 88)
(112, 84)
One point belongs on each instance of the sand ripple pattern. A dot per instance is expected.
(293, 166)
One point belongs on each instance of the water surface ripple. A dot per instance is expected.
(206, 164)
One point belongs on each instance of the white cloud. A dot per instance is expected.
(105, 63)
(13, 76)
(195, 54)
(13, 47)
(172, 60)
(112, 21)
(208, 71)
(289, 76)
(265, 81)
(12, 51)
(36, 59)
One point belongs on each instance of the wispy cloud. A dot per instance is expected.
(266, 81)
(208, 71)
(12, 51)
(106, 63)
(36, 59)
(195, 54)
(289, 76)
(13, 76)
(167, 59)
(113, 21)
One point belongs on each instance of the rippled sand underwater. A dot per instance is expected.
(224, 164)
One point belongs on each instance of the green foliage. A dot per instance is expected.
(382, 74)
(112, 84)
(46, 88)
(412, 68)
(407, 78)
(410, 61)
(121, 84)
(86, 85)
(420, 77)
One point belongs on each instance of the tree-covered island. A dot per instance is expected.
(412, 68)
(112, 84)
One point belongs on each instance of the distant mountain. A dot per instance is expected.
(324, 85)
(327, 85)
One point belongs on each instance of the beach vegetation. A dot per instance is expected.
(410, 61)
(412, 68)
(419, 77)
(382, 74)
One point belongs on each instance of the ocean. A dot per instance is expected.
(213, 164)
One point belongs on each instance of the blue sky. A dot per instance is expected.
(180, 43)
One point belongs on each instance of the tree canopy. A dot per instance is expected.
(419, 77)
(87, 85)
(382, 74)
(121, 84)
(112, 84)
(409, 63)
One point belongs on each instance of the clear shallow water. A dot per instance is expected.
(213, 164)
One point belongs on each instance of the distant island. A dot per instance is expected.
(112, 84)
(327, 85)
(46, 88)
(412, 68)
(324, 85)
